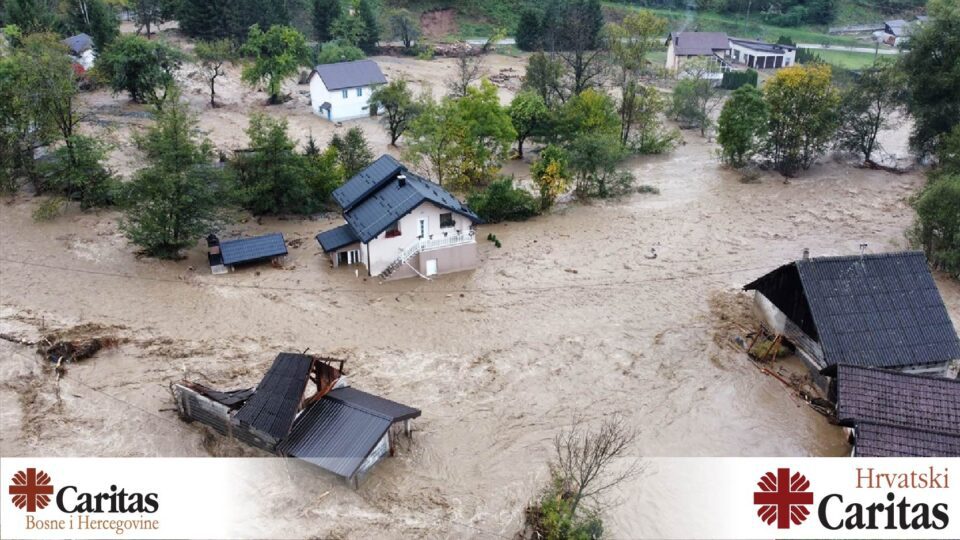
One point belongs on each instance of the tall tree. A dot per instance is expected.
(579, 43)
(933, 78)
(528, 114)
(277, 54)
(741, 124)
(145, 69)
(529, 32)
(399, 107)
(803, 116)
(32, 16)
(152, 13)
(551, 174)
(404, 27)
(213, 56)
(371, 26)
(353, 151)
(696, 95)
(95, 18)
(543, 76)
(468, 70)
(865, 109)
(176, 198)
(324, 13)
(211, 19)
(271, 175)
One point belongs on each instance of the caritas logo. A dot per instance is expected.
(31, 490)
(783, 498)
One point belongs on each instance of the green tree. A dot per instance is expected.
(144, 69)
(630, 42)
(323, 174)
(529, 31)
(404, 27)
(277, 54)
(211, 20)
(937, 229)
(803, 116)
(696, 95)
(77, 171)
(398, 105)
(177, 197)
(865, 108)
(501, 201)
(95, 18)
(551, 175)
(640, 127)
(213, 56)
(22, 129)
(528, 114)
(31, 16)
(543, 76)
(432, 138)
(579, 43)
(371, 26)
(324, 13)
(332, 52)
(271, 176)
(593, 159)
(741, 124)
(933, 78)
(151, 13)
(353, 151)
(589, 113)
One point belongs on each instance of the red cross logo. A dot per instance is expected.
(31, 489)
(783, 498)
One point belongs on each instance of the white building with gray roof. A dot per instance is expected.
(342, 91)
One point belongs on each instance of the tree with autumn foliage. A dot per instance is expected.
(802, 121)
(551, 175)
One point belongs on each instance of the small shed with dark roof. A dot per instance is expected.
(880, 310)
(341, 91)
(239, 251)
(898, 414)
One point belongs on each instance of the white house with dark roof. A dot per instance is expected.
(684, 46)
(399, 225)
(761, 55)
(81, 50)
(342, 91)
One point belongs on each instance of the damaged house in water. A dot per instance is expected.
(400, 225)
(303, 408)
(876, 311)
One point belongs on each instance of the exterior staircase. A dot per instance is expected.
(425, 245)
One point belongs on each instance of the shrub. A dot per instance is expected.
(735, 79)
(49, 209)
(937, 228)
(501, 201)
(646, 188)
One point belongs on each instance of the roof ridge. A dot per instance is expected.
(899, 373)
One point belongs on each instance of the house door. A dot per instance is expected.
(423, 228)
(431, 267)
(330, 113)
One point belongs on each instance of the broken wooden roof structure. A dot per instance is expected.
(880, 310)
(899, 414)
(302, 408)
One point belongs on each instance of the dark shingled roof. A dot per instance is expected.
(762, 46)
(698, 43)
(335, 239)
(350, 74)
(873, 310)
(338, 432)
(374, 199)
(899, 414)
(898, 399)
(876, 440)
(257, 248)
(79, 43)
(274, 405)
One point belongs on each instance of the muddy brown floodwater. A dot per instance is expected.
(569, 318)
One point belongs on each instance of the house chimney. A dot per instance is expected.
(401, 180)
(806, 254)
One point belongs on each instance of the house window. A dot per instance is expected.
(345, 93)
(394, 230)
(446, 220)
(360, 92)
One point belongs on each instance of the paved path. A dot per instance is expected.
(869, 50)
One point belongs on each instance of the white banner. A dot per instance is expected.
(677, 498)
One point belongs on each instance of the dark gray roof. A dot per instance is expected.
(762, 46)
(79, 43)
(391, 410)
(872, 310)
(877, 440)
(277, 399)
(335, 239)
(367, 181)
(898, 399)
(338, 432)
(698, 43)
(350, 74)
(257, 248)
(374, 199)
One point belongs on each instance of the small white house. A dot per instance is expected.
(342, 91)
(761, 55)
(683, 46)
(81, 50)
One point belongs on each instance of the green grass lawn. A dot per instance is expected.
(846, 60)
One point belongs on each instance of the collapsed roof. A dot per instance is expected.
(899, 414)
(879, 310)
